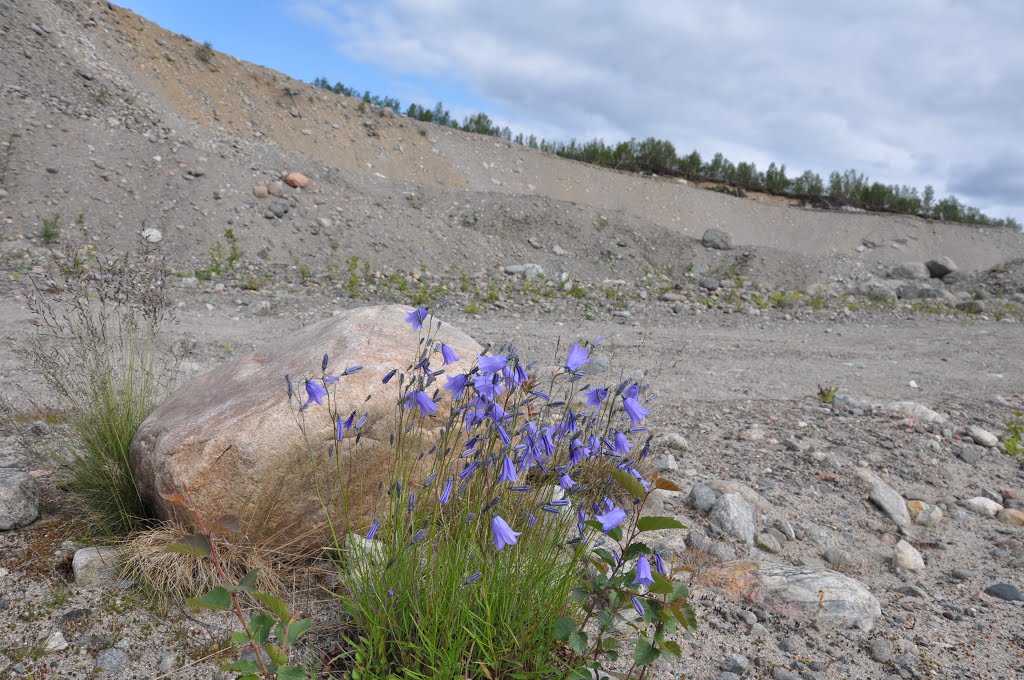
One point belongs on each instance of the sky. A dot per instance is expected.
(913, 92)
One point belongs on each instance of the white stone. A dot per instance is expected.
(982, 436)
(983, 506)
(907, 557)
(152, 235)
(97, 566)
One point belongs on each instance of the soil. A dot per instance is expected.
(113, 126)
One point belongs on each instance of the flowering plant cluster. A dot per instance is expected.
(501, 550)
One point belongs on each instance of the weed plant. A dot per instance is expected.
(99, 347)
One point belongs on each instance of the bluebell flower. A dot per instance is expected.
(643, 572)
(632, 392)
(638, 605)
(288, 382)
(429, 480)
(331, 379)
(412, 501)
(448, 355)
(469, 470)
(351, 370)
(505, 439)
(508, 471)
(425, 403)
(315, 392)
(503, 534)
(373, 530)
(416, 317)
(339, 428)
(456, 385)
(323, 363)
(476, 576)
(634, 409)
(595, 395)
(577, 357)
(389, 375)
(530, 520)
(488, 386)
(658, 564)
(577, 452)
(347, 425)
(362, 420)
(622, 444)
(417, 536)
(610, 519)
(446, 493)
(566, 482)
(491, 364)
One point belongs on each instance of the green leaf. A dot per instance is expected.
(196, 544)
(563, 628)
(630, 483)
(684, 614)
(276, 654)
(615, 534)
(610, 643)
(611, 655)
(672, 647)
(654, 523)
(260, 626)
(580, 594)
(276, 605)
(636, 549)
(644, 653)
(605, 555)
(291, 673)
(662, 586)
(578, 642)
(243, 666)
(248, 582)
(298, 629)
(218, 599)
(239, 637)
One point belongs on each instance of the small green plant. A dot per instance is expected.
(577, 291)
(353, 282)
(1013, 442)
(51, 229)
(204, 52)
(275, 621)
(234, 252)
(472, 307)
(305, 273)
(252, 282)
(827, 394)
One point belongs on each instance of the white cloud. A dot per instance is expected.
(917, 92)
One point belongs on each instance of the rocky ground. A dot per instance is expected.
(877, 536)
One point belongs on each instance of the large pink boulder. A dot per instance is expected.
(232, 442)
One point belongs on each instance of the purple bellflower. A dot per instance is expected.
(643, 572)
(611, 518)
(448, 355)
(446, 493)
(638, 605)
(508, 471)
(315, 392)
(634, 410)
(503, 534)
(658, 564)
(373, 530)
(622, 444)
(416, 317)
(419, 398)
(577, 357)
(492, 364)
(456, 385)
(566, 482)
(595, 395)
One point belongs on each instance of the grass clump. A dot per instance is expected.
(100, 349)
(204, 52)
(827, 394)
(51, 230)
(1013, 442)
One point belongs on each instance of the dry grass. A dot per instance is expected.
(171, 578)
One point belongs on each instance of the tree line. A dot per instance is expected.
(659, 157)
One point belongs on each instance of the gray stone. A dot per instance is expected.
(983, 506)
(758, 630)
(891, 502)
(765, 541)
(735, 663)
(279, 208)
(837, 558)
(969, 453)
(875, 290)
(526, 271)
(676, 441)
(259, 308)
(19, 499)
(668, 463)
(780, 673)
(55, 642)
(168, 662)
(880, 650)
(113, 661)
(716, 239)
(912, 409)
(96, 566)
(918, 290)
(907, 557)
(830, 597)
(701, 497)
(735, 517)
(910, 270)
(1005, 591)
(941, 267)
